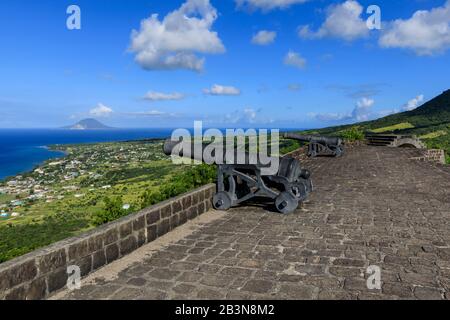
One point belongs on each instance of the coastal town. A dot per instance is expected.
(86, 169)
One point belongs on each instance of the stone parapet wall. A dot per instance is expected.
(432, 155)
(39, 273)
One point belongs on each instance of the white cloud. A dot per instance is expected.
(264, 37)
(173, 42)
(101, 111)
(159, 96)
(361, 112)
(425, 33)
(343, 21)
(413, 103)
(294, 59)
(219, 90)
(363, 109)
(267, 5)
(248, 115)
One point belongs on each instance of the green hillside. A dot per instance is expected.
(430, 122)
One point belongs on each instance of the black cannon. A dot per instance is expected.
(319, 145)
(237, 183)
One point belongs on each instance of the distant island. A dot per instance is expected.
(87, 124)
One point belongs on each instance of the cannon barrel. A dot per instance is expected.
(330, 141)
(186, 149)
(242, 177)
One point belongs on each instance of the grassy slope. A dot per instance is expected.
(431, 122)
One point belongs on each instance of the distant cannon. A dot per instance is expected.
(319, 145)
(237, 183)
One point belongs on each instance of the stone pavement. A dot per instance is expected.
(374, 206)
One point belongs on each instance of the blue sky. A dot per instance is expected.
(230, 63)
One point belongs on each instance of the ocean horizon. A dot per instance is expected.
(24, 149)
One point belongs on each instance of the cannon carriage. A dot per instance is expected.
(243, 181)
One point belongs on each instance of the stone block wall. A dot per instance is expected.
(432, 155)
(39, 273)
(436, 155)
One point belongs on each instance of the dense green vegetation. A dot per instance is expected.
(353, 134)
(112, 210)
(194, 177)
(287, 146)
(19, 239)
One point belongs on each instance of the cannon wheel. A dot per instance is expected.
(286, 203)
(339, 151)
(222, 201)
(312, 154)
(300, 190)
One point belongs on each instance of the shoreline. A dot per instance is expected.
(64, 153)
(36, 166)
